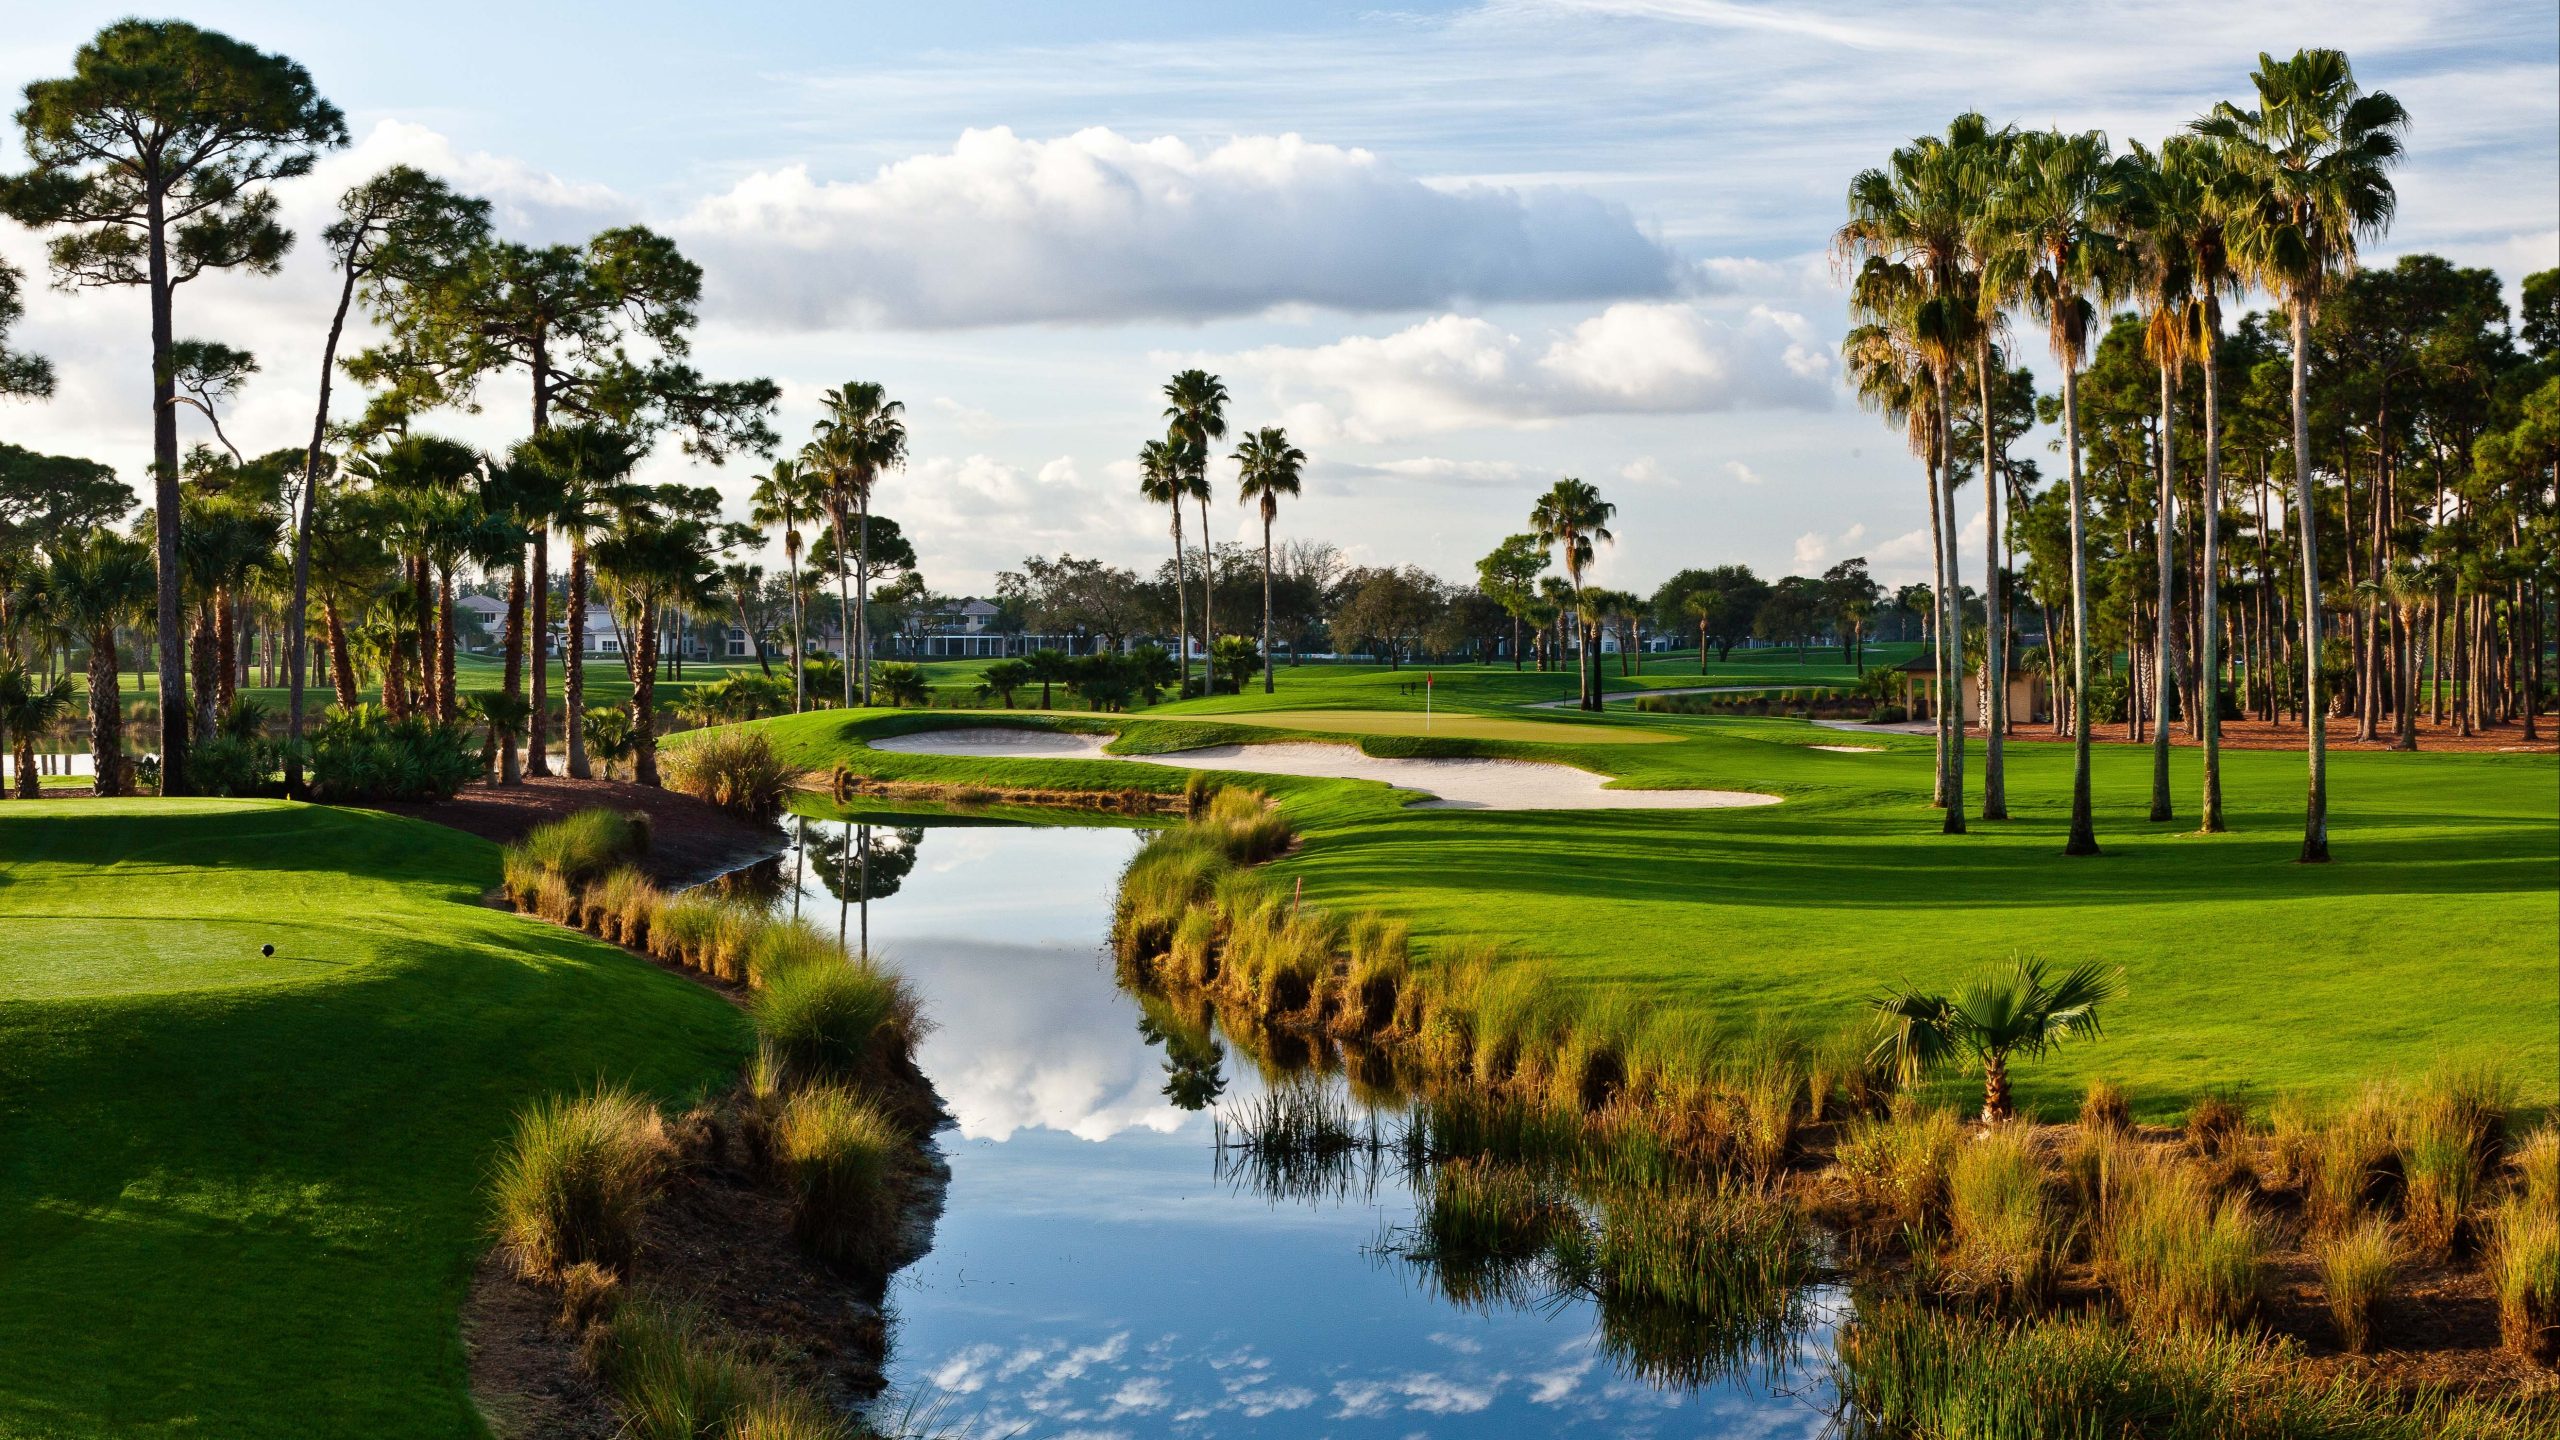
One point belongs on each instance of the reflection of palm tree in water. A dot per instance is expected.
(860, 863)
(1194, 1075)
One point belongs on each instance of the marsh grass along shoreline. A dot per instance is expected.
(724, 1267)
(2219, 1224)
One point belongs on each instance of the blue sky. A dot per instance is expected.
(1458, 250)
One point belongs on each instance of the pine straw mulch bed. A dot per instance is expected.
(690, 840)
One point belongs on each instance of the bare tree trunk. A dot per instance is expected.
(1995, 633)
(2315, 812)
(573, 663)
(2209, 640)
(644, 698)
(2084, 834)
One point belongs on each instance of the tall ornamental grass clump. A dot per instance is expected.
(1730, 1252)
(833, 1021)
(2356, 1269)
(676, 1376)
(2002, 1223)
(576, 1178)
(574, 850)
(1897, 1165)
(2177, 1255)
(734, 769)
(2454, 1130)
(2524, 1269)
(1911, 1373)
(840, 1155)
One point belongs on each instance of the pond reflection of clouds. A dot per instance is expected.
(1094, 1273)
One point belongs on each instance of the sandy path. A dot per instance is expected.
(1453, 784)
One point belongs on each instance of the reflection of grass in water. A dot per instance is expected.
(1300, 1140)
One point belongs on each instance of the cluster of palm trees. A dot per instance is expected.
(1176, 468)
(1958, 230)
(860, 435)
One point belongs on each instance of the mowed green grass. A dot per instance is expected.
(241, 1195)
(2434, 935)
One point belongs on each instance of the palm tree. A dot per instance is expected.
(782, 499)
(2183, 215)
(1160, 480)
(590, 465)
(2309, 179)
(1268, 467)
(1999, 1013)
(1882, 358)
(1571, 520)
(863, 434)
(28, 708)
(656, 556)
(95, 586)
(2053, 256)
(1915, 227)
(2158, 213)
(1195, 414)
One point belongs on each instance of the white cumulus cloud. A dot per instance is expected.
(1099, 226)
(1455, 372)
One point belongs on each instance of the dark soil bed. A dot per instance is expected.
(690, 840)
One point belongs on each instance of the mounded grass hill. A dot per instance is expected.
(241, 1195)
(2430, 937)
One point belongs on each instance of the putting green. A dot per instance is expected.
(1448, 726)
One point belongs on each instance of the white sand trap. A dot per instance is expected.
(1849, 749)
(1453, 784)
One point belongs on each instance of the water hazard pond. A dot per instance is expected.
(1102, 1269)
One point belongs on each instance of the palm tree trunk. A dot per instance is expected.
(1181, 611)
(1953, 625)
(844, 598)
(799, 646)
(1266, 605)
(537, 733)
(1995, 1089)
(2209, 638)
(644, 698)
(2315, 810)
(510, 759)
(1995, 635)
(1208, 600)
(573, 663)
(862, 597)
(342, 663)
(106, 713)
(2165, 605)
(1938, 630)
(2084, 833)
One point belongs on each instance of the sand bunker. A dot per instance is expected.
(1453, 784)
(1849, 749)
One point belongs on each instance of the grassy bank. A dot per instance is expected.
(2429, 937)
(240, 1194)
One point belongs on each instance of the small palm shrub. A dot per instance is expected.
(2176, 1255)
(363, 756)
(840, 1156)
(901, 685)
(734, 769)
(2356, 1267)
(1897, 1165)
(577, 1176)
(833, 1021)
(2524, 1269)
(2002, 1012)
(1996, 1207)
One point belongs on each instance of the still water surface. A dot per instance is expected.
(1097, 1270)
